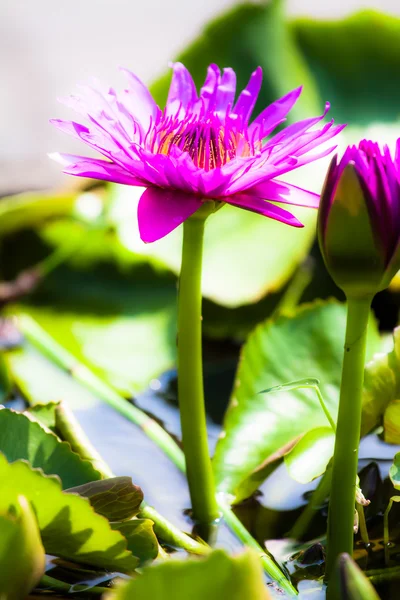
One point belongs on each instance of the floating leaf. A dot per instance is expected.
(29, 210)
(362, 89)
(382, 392)
(140, 537)
(96, 312)
(217, 576)
(309, 458)
(22, 558)
(69, 526)
(115, 498)
(23, 438)
(45, 414)
(257, 426)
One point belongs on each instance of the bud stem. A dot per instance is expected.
(340, 535)
(190, 377)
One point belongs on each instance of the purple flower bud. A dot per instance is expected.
(359, 219)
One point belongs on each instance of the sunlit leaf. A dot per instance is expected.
(257, 426)
(68, 525)
(23, 438)
(140, 536)
(311, 455)
(215, 577)
(115, 498)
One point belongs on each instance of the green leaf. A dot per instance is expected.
(310, 456)
(382, 392)
(29, 210)
(353, 61)
(232, 243)
(42, 382)
(22, 558)
(140, 536)
(6, 383)
(115, 498)
(217, 576)
(257, 426)
(45, 414)
(98, 310)
(23, 438)
(351, 581)
(394, 472)
(69, 526)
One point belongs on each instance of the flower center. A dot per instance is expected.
(208, 143)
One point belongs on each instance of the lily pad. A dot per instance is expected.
(140, 537)
(382, 392)
(353, 61)
(98, 312)
(257, 426)
(29, 210)
(69, 526)
(217, 576)
(311, 455)
(115, 498)
(21, 437)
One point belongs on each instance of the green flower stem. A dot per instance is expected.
(190, 376)
(386, 540)
(318, 497)
(242, 533)
(72, 432)
(340, 535)
(362, 524)
(66, 588)
(165, 530)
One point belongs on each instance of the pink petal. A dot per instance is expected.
(161, 211)
(264, 208)
(182, 91)
(275, 112)
(139, 101)
(226, 90)
(248, 97)
(279, 191)
(209, 89)
(81, 166)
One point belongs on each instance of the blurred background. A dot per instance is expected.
(47, 47)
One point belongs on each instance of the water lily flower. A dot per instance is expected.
(200, 147)
(359, 218)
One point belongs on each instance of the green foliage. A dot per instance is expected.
(97, 311)
(22, 558)
(217, 576)
(382, 392)
(258, 427)
(23, 438)
(140, 536)
(115, 498)
(311, 455)
(353, 61)
(69, 526)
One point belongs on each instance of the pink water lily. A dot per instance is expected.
(200, 147)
